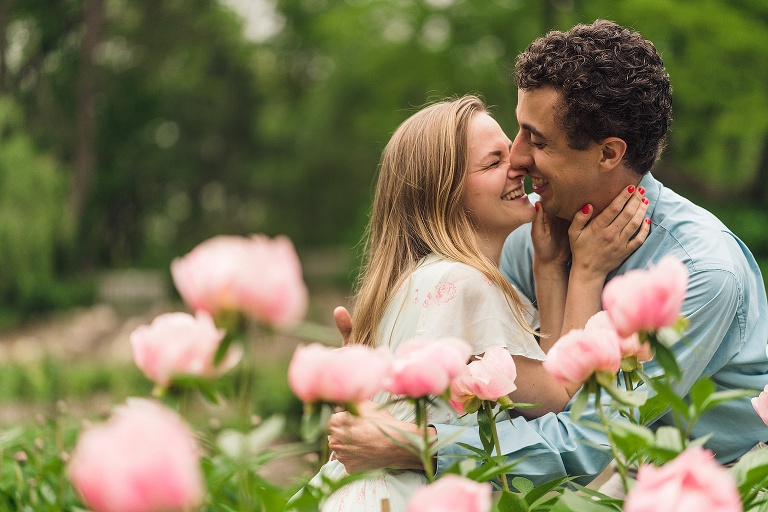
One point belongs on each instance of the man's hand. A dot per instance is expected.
(367, 442)
(343, 324)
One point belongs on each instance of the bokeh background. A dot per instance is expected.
(132, 130)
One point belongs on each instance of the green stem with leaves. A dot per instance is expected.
(488, 408)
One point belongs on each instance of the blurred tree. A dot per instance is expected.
(32, 227)
(173, 127)
(716, 53)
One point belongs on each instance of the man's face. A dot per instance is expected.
(565, 178)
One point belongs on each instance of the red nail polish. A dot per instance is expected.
(585, 210)
(631, 189)
(648, 221)
(536, 206)
(645, 200)
(641, 190)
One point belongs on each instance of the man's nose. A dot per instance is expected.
(520, 153)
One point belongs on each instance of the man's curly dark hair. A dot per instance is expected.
(613, 84)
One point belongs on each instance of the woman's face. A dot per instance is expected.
(494, 197)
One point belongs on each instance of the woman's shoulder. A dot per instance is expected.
(440, 268)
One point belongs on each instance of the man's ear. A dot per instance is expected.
(612, 151)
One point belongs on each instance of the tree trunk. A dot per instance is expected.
(85, 116)
(5, 19)
(758, 190)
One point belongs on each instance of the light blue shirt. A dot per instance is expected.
(727, 336)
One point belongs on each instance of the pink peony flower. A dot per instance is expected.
(144, 459)
(760, 403)
(452, 493)
(318, 373)
(580, 353)
(646, 299)
(257, 276)
(180, 344)
(489, 378)
(426, 367)
(692, 482)
(629, 346)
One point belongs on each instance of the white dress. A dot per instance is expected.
(441, 298)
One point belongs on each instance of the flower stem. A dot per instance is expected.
(620, 467)
(628, 386)
(426, 455)
(488, 408)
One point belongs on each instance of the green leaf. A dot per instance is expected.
(522, 484)
(535, 495)
(472, 405)
(579, 404)
(700, 391)
(661, 387)
(628, 398)
(570, 501)
(512, 502)
(312, 422)
(666, 359)
(652, 409)
(751, 469)
(485, 431)
(720, 397)
(668, 438)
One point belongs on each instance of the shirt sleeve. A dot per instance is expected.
(468, 305)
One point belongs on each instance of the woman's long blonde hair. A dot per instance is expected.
(417, 210)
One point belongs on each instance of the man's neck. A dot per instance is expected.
(614, 184)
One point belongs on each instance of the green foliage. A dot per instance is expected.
(33, 222)
(201, 131)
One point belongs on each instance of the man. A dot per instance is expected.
(594, 105)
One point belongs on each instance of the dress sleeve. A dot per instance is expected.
(466, 304)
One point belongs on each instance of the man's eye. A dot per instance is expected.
(537, 145)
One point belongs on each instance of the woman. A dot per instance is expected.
(446, 199)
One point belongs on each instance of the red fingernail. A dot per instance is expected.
(641, 190)
(536, 206)
(645, 200)
(631, 189)
(648, 221)
(585, 210)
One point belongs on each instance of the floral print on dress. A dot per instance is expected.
(444, 292)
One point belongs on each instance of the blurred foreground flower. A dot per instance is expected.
(692, 482)
(490, 378)
(643, 300)
(580, 354)
(257, 276)
(180, 344)
(629, 346)
(760, 403)
(426, 367)
(144, 459)
(452, 493)
(346, 375)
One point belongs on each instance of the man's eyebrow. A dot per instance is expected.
(533, 130)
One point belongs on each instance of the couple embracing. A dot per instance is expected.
(450, 213)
